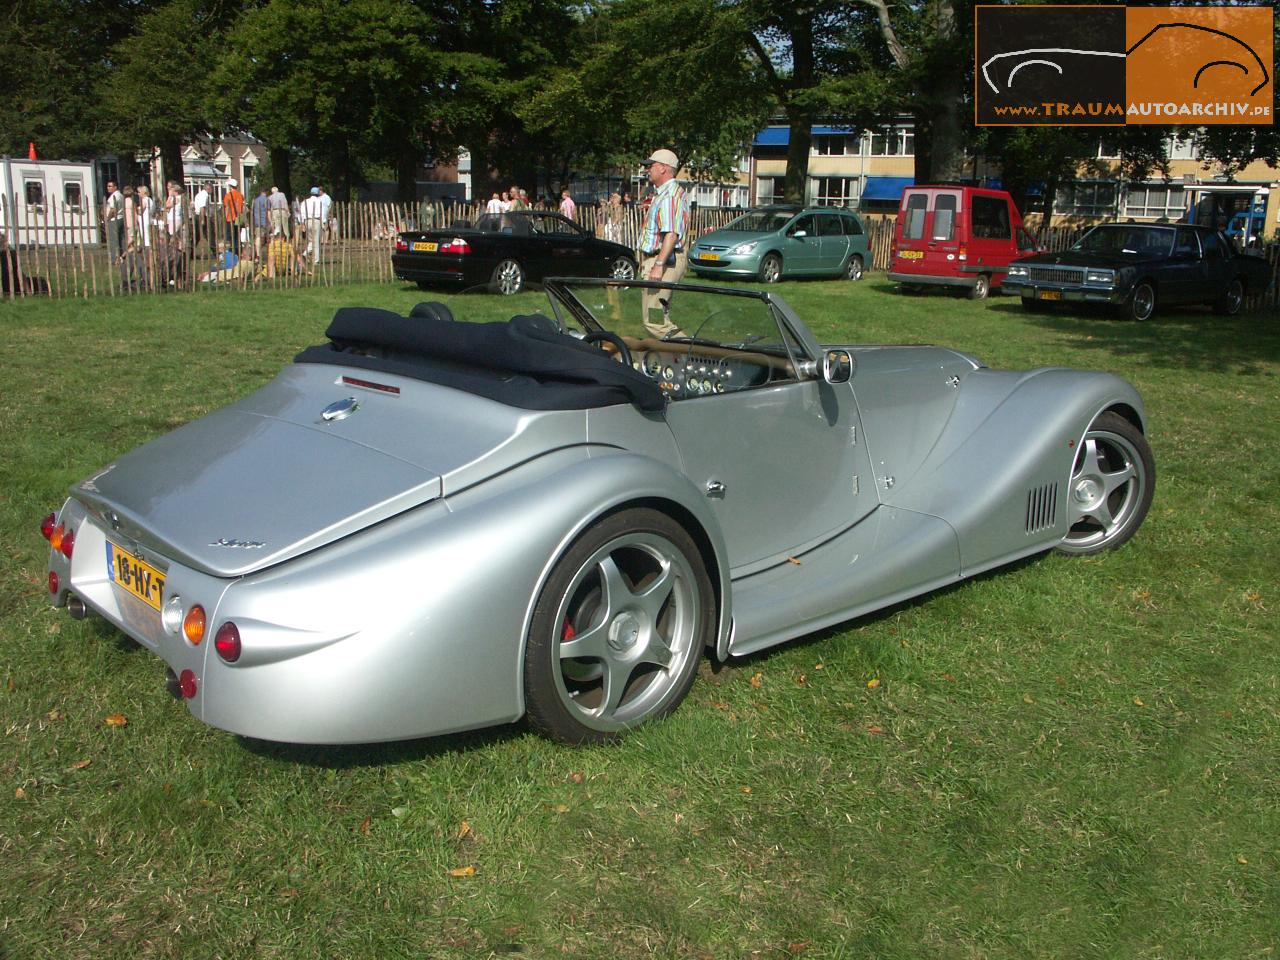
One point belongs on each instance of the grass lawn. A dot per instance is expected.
(1065, 759)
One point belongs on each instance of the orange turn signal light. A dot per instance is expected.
(193, 625)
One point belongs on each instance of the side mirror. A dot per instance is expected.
(799, 233)
(837, 366)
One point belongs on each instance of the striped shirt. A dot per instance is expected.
(669, 213)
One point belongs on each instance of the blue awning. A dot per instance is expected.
(886, 188)
(781, 136)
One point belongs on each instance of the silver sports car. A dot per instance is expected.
(426, 525)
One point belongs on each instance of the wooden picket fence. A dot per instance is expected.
(65, 253)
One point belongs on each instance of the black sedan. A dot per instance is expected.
(1135, 267)
(506, 250)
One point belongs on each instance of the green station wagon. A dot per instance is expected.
(769, 243)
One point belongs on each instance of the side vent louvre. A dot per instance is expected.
(1042, 508)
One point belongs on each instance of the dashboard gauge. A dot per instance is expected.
(719, 388)
(653, 364)
(669, 373)
(695, 385)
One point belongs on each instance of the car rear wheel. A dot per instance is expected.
(618, 629)
(981, 287)
(1232, 300)
(1112, 482)
(853, 269)
(508, 278)
(622, 269)
(770, 268)
(1141, 304)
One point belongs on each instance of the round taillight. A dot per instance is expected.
(187, 684)
(55, 538)
(193, 625)
(68, 543)
(53, 582)
(47, 525)
(227, 642)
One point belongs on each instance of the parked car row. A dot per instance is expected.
(962, 237)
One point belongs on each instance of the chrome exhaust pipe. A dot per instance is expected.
(76, 607)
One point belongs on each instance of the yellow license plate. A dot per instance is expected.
(135, 576)
(912, 254)
(421, 246)
(1050, 294)
(708, 256)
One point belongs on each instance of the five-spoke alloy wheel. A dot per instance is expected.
(618, 630)
(770, 268)
(1111, 486)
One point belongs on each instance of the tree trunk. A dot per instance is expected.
(171, 159)
(281, 170)
(407, 175)
(798, 144)
(340, 169)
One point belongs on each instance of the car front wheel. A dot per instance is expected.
(618, 629)
(981, 287)
(1141, 304)
(770, 268)
(1112, 482)
(508, 278)
(853, 269)
(622, 269)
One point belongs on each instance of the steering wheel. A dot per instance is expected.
(609, 336)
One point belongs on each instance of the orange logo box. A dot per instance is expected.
(1199, 65)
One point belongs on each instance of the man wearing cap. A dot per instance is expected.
(313, 222)
(232, 208)
(662, 243)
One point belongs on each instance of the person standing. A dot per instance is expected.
(329, 222)
(232, 210)
(260, 221)
(495, 204)
(200, 215)
(313, 221)
(613, 217)
(113, 221)
(568, 209)
(278, 205)
(517, 199)
(173, 216)
(146, 212)
(662, 242)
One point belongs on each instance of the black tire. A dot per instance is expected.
(622, 268)
(770, 268)
(1232, 300)
(853, 269)
(1141, 304)
(1112, 482)
(981, 287)
(632, 596)
(507, 278)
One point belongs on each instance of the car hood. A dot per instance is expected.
(1070, 258)
(268, 478)
(731, 238)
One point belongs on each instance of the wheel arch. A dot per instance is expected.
(1129, 413)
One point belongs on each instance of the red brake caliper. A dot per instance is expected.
(568, 633)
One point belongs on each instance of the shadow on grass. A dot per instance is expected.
(1192, 338)
(356, 755)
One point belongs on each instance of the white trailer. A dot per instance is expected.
(48, 203)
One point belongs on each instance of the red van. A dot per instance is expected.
(957, 236)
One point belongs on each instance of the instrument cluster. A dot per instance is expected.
(689, 375)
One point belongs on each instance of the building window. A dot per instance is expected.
(1086, 199)
(1155, 202)
(834, 191)
(248, 169)
(893, 143)
(770, 189)
(73, 195)
(1108, 151)
(35, 193)
(1182, 149)
(835, 145)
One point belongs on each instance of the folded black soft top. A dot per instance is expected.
(526, 362)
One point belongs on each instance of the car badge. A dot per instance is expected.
(239, 544)
(340, 409)
(113, 518)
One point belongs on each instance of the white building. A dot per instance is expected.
(48, 202)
